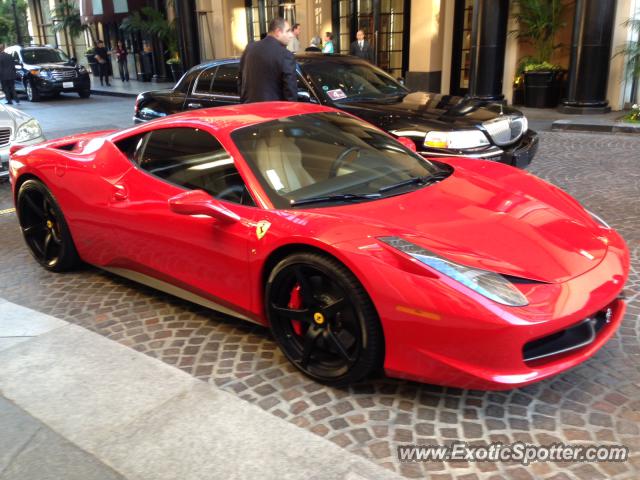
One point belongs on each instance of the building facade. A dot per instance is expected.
(458, 47)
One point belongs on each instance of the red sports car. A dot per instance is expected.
(358, 253)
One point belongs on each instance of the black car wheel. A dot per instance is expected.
(323, 320)
(44, 228)
(33, 95)
(84, 93)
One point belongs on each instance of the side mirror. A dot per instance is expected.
(304, 96)
(73, 60)
(407, 142)
(199, 202)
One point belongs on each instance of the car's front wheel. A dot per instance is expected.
(84, 93)
(33, 95)
(323, 319)
(44, 228)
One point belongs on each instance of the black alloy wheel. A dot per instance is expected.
(44, 228)
(323, 320)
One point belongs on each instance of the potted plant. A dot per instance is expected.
(538, 22)
(175, 66)
(65, 18)
(631, 50)
(153, 23)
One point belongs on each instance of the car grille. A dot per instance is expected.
(63, 74)
(572, 338)
(504, 129)
(5, 136)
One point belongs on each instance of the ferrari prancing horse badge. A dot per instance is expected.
(261, 228)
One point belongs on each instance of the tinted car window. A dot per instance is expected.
(193, 159)
(43, 55)
(226, 80)
(203, 83)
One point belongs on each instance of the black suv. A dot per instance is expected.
(42, 70)
(439, 125)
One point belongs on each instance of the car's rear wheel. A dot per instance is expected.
(323, 320)
(33, 95)
(44, 228)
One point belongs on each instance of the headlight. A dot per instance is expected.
(460, 139)
(28, 131)
(599, 220)
(489, 284)
(525, 124)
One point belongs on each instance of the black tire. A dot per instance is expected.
(84, 93)
(44, 228)
(33, 95)
(334, 336)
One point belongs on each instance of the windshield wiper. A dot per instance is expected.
(341, 197)
(427, 179)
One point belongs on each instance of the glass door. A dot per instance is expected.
(461, 54)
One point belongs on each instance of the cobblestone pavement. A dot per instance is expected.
(596, 402)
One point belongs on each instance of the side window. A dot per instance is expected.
(226, 81)
(193, 159)
(131, 147)
(203, 82)
(16, 57)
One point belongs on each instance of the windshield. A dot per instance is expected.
(43, 55)
(343, 82)
(303, 158)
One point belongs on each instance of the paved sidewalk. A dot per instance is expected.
(75, 405)
(127, 89)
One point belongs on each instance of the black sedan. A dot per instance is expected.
(439, 125)
(47, 71)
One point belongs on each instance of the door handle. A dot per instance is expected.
(120, 192)
(194, 105)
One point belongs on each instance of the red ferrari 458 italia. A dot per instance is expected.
(358, 253)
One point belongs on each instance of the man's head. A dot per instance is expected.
(360, 35)
(280, 29)
(100, 43)
(328, 36)
(2, 47)
(315, 42)
(296, 30)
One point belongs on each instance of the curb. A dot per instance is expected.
(617, 127)
(114, 94)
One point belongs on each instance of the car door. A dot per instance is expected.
(197, 253)
(200, 94)
(19, 70)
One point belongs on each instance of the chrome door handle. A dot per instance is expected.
(120, 192)
(194, 105)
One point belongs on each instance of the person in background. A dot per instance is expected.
(102, 57)
(362, 48)
(314, 45)
(328, 43)
(267, 68)
(121, 56)
(294, 44)
(8, 76)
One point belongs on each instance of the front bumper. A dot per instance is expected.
(49, 86)
(518, 155)
(438, 332)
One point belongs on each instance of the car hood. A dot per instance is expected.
(55, 66)
(420, 109)
(510, 222)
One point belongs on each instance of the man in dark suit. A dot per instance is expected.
(8, 76)
(362, 48)
(267, 68)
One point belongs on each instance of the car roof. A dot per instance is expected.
(306, 57)
(225, 120)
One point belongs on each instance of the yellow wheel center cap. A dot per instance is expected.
(318, 318)
(49, 224)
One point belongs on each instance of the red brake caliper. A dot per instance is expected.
(295, 302)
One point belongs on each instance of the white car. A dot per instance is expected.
(16, 128)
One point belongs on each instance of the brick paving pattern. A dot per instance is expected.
(597, 402)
